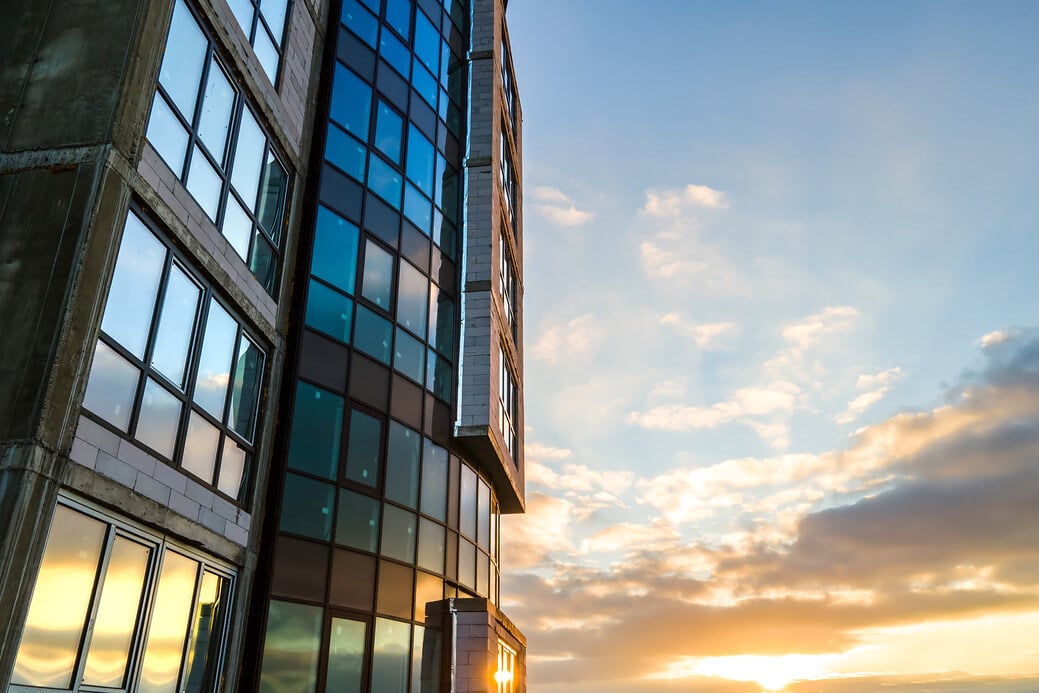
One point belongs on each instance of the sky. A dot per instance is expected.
(781, 349)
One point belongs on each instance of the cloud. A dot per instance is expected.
(702, 334)
(557, 207)
(675, 202)
(876, 386)
(796, 361)
(574, 337)
(809, 331)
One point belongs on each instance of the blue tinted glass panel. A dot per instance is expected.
(427, 42)
(361, 21)
(167, 135)
(373, 5)
(335, 250)
(317, 429)
(329, 311)
(398, 14)
(385, 181)
(351, 102)
(425, 84)
(182, 64)
(345, 152)
(389, 128)
(421, 160)
(372, 334)
(395, 53)
(307, 507)
(418, 208)
(409, 356)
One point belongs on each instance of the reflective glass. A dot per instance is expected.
(182, 63)
(214, 362)
(307, 507)
(264, 263)
(421, 160)
(167, 135)
(112, 386)
(200, 447)
(273, 184)
(438, 178)
(372, 334)
(361, 22)
(317, 429)
(243, 11)
(431, 546)
(274, 12)
(346, 153)
(467, 499)
(217, 104)
(377, 280)
(351, 104)
(266, 53)
(425, 661)
(483, 515)
(428, 588)
(232, 468)
(398, 534)
(245, 389)
(441, 321)
(168, 628)
(176, 326)
(345, 656)
(395, 592)
(335, 250)
(159, 419)
(60, 601)
(384, 180)
(373, 5)
(357, 521)
(206, 634)
(135, 284)
(389, 130)
(438, 376)
(237, 227)
(467, 564)
(352, 583)
(329, 311)
(204, 183)
(434, 480)
(398, 14)
(427, 42)
(402, 464)
(418, 208)
(117, 613)
(395, 53)
(391, 656)
(482, 574)
(364, 449)
(424, 83)
(290, 650)
(248, 159)
(409, 355)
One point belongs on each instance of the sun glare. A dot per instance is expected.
(773, 674)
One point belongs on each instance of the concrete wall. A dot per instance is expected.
(476, 627)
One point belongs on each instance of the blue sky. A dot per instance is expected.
(779, 258)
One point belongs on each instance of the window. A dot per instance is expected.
(203, 129)
(507, 178)
(507, 398)
(263, 22)
(117, 608)
(507, 84)
(507, 285)
(506, 673)
(173, 369)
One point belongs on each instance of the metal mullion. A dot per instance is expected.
(223, 426)
(197, 115)
(148, 595)
(195, 354)
(95, 599)
(199, 573)
(161, 91)
(149, 345)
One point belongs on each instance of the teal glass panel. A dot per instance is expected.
(351, 104)
(344, 152)
(398, 534)
(364, 449)
(385, 181)
(402, 464)
(357, 521)
(317, 427)
(306, 507)
(329, 311)
(372, 334)
(335, 250)
(408, 356)
(418, 208)
(434, 480)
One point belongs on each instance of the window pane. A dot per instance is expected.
(217, 104)
(467, 564)
(390, 658)
(351, 102)
(232, 468)
(360, 21)
(428, 588)
(412, 298)
(171, 613)
(176, 326)
(181, 70)
(135, 284)
(402, 464)
(467, 513)
(424, 83)
(434, 480)
(245, 390)
(409, 356)
(345, 152)
(214, 363)
(398, 14)
(483, 510)
(60, 601)
(372, 334)
(200, 447)
(352, 581)
(237, 227)
(427, 42)
(245, 174)
(431, 546)
(112, 386)
(389, 129)
(421, 159)
(167, 135)
(329, 311)
(364, 449)
(438, 376)
(117, 613)
(159, 419)
(274, 12)
(377, 281)
(307, 507)
(345, 656)
(335, 250)
(243, 11)
(425, 661)
(290, 651)
(264, 263)
(317, 429)
(266, 53)
(207, 632)
(482, 573)
(384, 180)
(357, 521)
(273, 184)
(441, 321)
(418, 208)
(398, 534)
(204, 183)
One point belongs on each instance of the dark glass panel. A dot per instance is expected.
(207, 632)
(317, 425)
(353, 580)
(329, 311)
(351, 102)
(438, 376)
(396, 584)
(415, 247)
(341, 192)
(467, 564)
(300, 569)
(407, 402)
(395, 53)
(323, 361)
(381, 220)
(425, 661)
(352, 51)
(363, 450)
(402, 465)
(264, 262)
(245, 389)
(483, 565)
(451, 561)
(392, 86)
(409, 356)
(306, 507)
(369, 382)
(452, 493)
(357, 521)
(373, 334)
(273, 189)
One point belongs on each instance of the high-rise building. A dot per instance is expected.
(260, 345)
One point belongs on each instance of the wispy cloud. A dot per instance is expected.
(875, 388)
(675, 202)
(702, 334)
(558, 208)
(574, 337)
